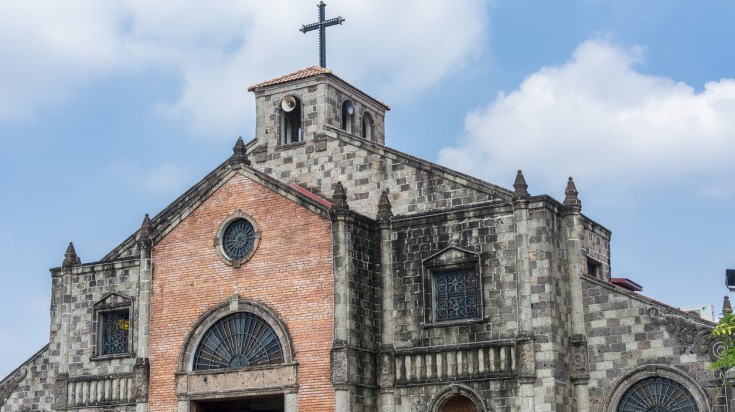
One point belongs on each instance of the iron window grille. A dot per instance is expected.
(658, 395)
(455, 295)
(238, 239)
(114, 328)
(239, 340)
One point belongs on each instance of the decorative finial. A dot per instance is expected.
(339, 198)
(520, 186)
(384, 207)
(239, 153)
(145, 231)
(571, 201)
(726, 307)
(70, 257)
(321, 25)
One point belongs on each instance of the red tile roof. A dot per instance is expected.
(627, 284)
(304, 74)
(311, 195)
(298, 75)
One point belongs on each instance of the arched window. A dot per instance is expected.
(348, 115)
(290, 122)
(367, 126)
(238, 340)
(657, 394)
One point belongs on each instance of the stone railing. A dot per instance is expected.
(476, 361)
(100, 390)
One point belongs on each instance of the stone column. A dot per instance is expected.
(67, 267)
(386, 357)
(526, 355)
(572, 236)
(338, 214)
(142, 366)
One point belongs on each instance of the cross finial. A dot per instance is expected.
(321, 25)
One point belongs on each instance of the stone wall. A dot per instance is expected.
(626, 331)
(30, 387)
(364, 310)
(290, 273)
(596, 243)
(366, 169)
(550, 305)
(321, 104)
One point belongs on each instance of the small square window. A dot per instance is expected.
(113, 332)
(455, 295)
(593, 268)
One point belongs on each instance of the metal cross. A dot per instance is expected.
(321, 25)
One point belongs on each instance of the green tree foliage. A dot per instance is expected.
(725, 331)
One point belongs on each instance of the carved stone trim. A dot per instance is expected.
(579, 359)
(526, 359)
(385, 368)
(141, 376)
(688, 331)
(7, 387)
(60, 391)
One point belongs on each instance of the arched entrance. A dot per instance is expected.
(262, 404)
(456, 398)
(459, 403)
(238, 358)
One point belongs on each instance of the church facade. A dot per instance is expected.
(317, 269)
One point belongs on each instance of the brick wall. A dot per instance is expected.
(290, 272)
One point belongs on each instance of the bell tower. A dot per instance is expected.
(302, 108)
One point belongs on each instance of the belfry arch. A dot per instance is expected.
(237, 352)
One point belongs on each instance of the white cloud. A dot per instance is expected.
(52, 48)
(597, 117)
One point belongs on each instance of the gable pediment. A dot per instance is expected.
(184, 205)
(450, 256)
(113, 299)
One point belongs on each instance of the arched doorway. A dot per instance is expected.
(459, 403)
(261, 404)
(238, 358)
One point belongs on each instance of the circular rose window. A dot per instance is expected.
(237, 238)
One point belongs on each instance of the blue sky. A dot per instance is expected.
(109, 110)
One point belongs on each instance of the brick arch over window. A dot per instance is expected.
(450, 394)
(233, 306)
(640, 374)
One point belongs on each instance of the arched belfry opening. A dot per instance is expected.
(348, 116)
(367, 126)
(290, 120)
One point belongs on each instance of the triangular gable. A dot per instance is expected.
(450, 256)
(185, 204)
(113, 299)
